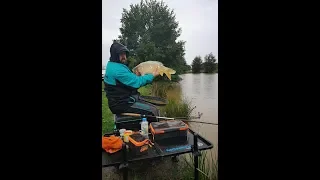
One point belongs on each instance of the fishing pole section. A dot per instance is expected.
(171, 118)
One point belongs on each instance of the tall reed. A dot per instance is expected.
(207, 167)
(177, 105)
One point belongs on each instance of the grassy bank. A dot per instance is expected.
(107, 117)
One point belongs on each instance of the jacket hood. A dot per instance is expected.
(115, 49)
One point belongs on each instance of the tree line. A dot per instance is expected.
(208, 66)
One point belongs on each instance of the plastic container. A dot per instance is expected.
(126, 135)
(144, 127)
(138, 144)
(169, 132)
(121, 131)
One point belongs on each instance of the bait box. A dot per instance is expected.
(169, 132)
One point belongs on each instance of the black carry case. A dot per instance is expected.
(138, 145)
(127, 122)
(133, 123)
(169, 132)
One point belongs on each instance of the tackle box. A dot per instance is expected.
(169, 132)
(138, 144)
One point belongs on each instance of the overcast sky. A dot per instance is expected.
(198, 20)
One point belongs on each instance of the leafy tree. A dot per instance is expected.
(196, 64)
(149, 30)
(209, 63)
(132, 62)
(216, 68)
(188, 68)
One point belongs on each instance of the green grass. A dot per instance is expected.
(161, 88)
(107, 116)
(177, 105)
(175, 108)
(145, 90)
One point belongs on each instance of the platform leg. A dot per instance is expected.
(124, 165)
(196, 154)
(196, 172)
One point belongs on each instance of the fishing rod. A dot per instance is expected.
(159, 117)
(190, 117)
(167, 118)
(203, 122)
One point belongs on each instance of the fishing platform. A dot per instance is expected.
(194, 145)
(191, 142)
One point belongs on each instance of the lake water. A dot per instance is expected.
(202, 90)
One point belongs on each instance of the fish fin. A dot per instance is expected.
(161, 72)
(168, 72)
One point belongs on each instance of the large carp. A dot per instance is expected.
(149, 67)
